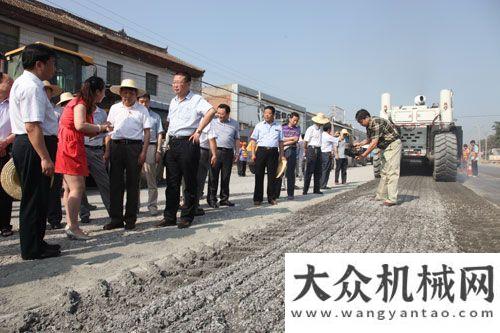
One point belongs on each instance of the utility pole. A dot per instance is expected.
(259, 96)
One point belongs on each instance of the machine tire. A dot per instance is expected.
(445, 157)
(377, 164)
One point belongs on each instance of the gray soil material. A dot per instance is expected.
(237, 285)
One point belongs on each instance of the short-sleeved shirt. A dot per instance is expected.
(267, 135)
(475, 155)
(327, 142)
(5, 128)
(206, 134)
(313, 136)
(340, 144)
(28, 103)
(383, 130)
(128, 122)
(184, 116)
(291, 132)
(99, 116)
(156, 126)
(227, 132)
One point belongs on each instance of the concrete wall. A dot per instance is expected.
(132, 69)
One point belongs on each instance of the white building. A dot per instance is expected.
(247, 105)
(116, 55)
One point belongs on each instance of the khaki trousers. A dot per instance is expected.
(149, 171)
(389, 175)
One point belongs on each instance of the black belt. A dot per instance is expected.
(153, 143)
(94, 147)
(127, 142)
(206, 149)
(267, 148)
(224, 149)
(174, 138)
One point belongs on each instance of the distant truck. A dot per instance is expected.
(428, 134)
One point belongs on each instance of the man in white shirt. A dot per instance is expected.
(312, 146)
(126, 149)
(34, 123)
(340, 157)
(327, 153)
(6, 139)
(94, 148)
(153, 156)
(188, 115)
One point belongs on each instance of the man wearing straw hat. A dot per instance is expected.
(54, 215)
(35, 125)
(188, 115)
(6, 139)
(312, 146)
(126, 149)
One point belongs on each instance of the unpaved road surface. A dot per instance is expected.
(237, 285)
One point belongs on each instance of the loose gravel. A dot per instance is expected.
(237, 285)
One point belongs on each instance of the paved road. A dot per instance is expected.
(487, 184)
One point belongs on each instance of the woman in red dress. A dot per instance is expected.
(71, 160)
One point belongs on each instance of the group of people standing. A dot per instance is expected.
(470, 158)
(56, 146)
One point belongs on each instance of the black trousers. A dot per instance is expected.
(5, 201)
(181, 160)
(35, 193)
(313, 167)
(265, 158)
(475, 170)
(242, 168)
(341, 167)
(203, 169)
(54, 215)
(124, 174)
(223, 169)
(326, 161)
(291, 164)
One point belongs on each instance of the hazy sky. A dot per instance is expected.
(323, 53)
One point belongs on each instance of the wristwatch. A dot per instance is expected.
(198, 131)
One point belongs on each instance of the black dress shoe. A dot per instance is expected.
(113, 225)
(199, 211)
(46, 253)
(257, 203)
(226, 203)
(318, 192)
(183, 224)
(213, 204)
(55, 226)
(130, 226)
(85, 220)
(273, 202)
(92, 207)
(55, 247)
(165, 223)
(182, 207)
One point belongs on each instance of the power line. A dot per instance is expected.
(203, 58)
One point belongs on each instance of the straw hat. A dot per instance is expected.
(344, 132)
(67, 96)
(320, 118)
(10, 180)
(281, 168)
(127, 83)
(56, 90)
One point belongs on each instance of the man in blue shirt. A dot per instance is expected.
(268, 136)
(228, 142)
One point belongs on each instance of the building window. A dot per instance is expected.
(66, 45)
(151, 83)
(114, 73)
(9, 37)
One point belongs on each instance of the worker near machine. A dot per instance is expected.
(383, 135)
